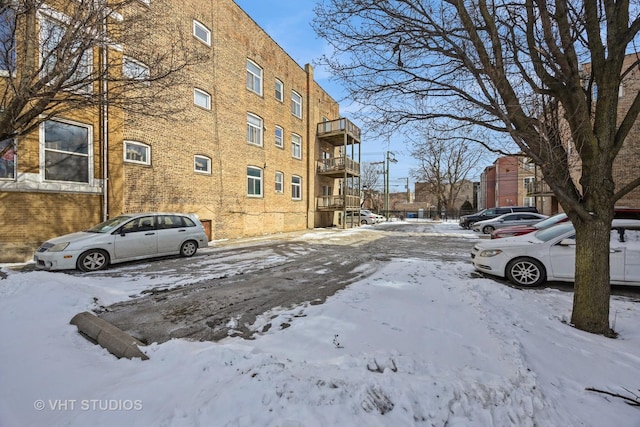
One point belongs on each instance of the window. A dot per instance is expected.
(279, 182)
(75, 55)
(201, 164)
(7, 159)
(296, 146)
(202, 99)
(133, 69)
(254, 129)
(254, 77)
(296, 187)
(7, 41)
(254, 181)
(137, 152)
(201, 32)
(296, 104)
(67, 151)
(279, 137)
(279, 90)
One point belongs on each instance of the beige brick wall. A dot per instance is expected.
(169, 183)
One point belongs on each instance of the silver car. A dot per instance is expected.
(508, 220)
(123, 238)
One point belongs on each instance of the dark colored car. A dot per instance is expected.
(619, 213)
(466, 221)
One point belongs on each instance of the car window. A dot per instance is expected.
(528, 216)
(109, 225)
(144, 223)
(553, 232)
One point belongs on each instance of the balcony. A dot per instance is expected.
(338, 132)
(337, 202)
(538, 188)
(337, 167)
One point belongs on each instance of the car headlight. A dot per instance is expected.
(59, 247)
(490, 252)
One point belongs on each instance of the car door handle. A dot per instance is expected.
(616, 250)
(149, 234)
(181, 231)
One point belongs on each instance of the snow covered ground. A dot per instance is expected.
(416, 343)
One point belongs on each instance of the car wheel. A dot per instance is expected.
(188, 248)
(364, 222)
(93, 260)
(488, 229)
(526, 272)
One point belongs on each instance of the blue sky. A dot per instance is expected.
(288, 23)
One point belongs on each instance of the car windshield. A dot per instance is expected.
(551, 221)
(109, 225)
(553, 232)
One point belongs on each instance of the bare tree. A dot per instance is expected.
(369, 179)
(527, 69)
(85, 54)
(445, 162)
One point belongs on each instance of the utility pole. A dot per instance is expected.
(390, 158)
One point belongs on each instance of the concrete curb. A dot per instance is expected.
(116, 341)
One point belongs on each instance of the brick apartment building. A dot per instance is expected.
(626, 168)
(505, 183)
(259, 147)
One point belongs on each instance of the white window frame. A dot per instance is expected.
(296, 104)
(254, 77)
(8, 68)
(255, 126)
(140, 71)
(9, 157)
(207, 160)
(146, 149)
(197, 25)
(47, 17)
(44, 150)
(279, 182)
(252, 180)
(279, 90)
(296, 146)
(201, 95)
(296, 187)
(279, 139)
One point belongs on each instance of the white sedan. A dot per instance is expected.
(123, 238)
(550, 254)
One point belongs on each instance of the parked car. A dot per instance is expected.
(466, 221)
(365, 217)
(518, 230)
(507, 220)
(378, 218)
(619, 213)
(123, 238)
(549, 254)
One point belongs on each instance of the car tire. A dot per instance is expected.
(189, 248)
(488, 229)
(93, 260)
(364, 222)
(526, 272)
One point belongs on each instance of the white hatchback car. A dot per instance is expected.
(550, 254)
(123, 238)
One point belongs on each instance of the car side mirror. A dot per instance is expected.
(567, 242)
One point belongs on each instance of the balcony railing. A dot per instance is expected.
(335, 165)
(338, 202)
(338, 127)
(538, 188)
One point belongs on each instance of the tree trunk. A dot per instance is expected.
(592, 287)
